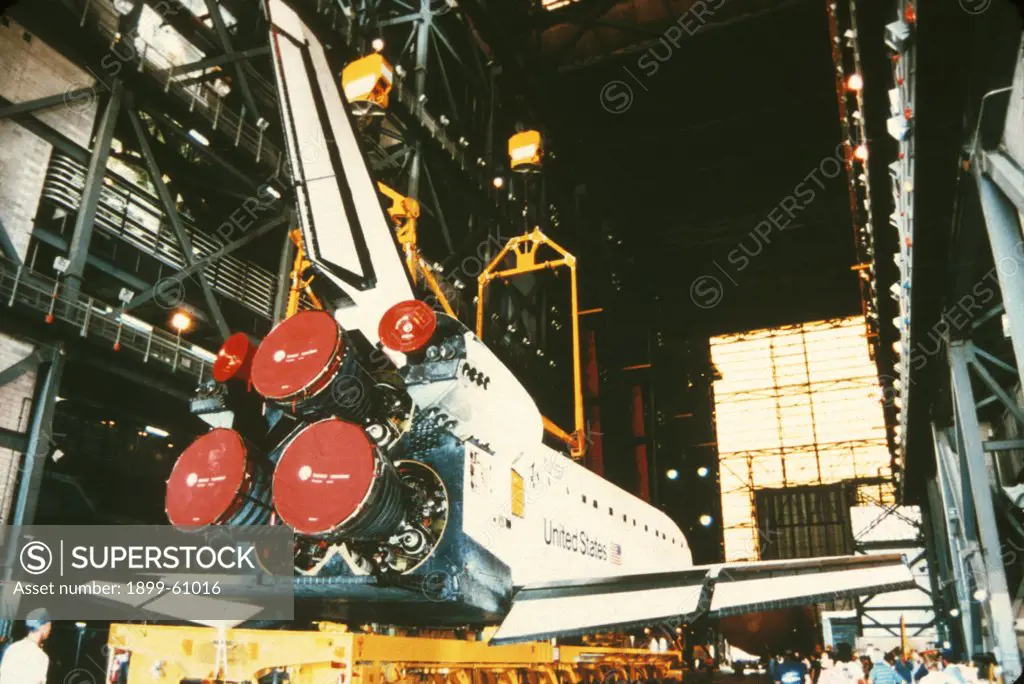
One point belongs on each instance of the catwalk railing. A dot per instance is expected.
(201, 98)
(135, 217)
(27, 291)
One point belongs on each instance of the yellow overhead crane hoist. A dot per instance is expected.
(366, 83)
(525, 151)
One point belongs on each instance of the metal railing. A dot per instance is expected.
(136, 217)
(26, 290)
(201, 98)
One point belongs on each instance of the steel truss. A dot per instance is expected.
(967, 490)
(442, 119)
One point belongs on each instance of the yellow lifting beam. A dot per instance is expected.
(333, 655)
(524, 249)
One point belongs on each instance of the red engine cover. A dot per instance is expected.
(298, 356)
(407, 326)
(323, 476)
(234, 360)
(207, 479)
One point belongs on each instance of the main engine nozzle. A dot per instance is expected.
(215, 481)
(332, 481)
(309, 367)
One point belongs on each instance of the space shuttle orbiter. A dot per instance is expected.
(411, 464)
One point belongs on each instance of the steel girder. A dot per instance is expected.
(965, 489)
(31, 106)
(176, 279)
(171, 212)
(7, 248)
(213, 9)
(40, 440)
(78, 251)
(25, 365)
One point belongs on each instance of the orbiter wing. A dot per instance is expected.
(573, 608)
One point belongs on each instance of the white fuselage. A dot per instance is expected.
(564, 522)
(544, 515)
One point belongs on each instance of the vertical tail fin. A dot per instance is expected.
(346, 234)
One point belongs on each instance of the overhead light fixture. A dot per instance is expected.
(499, 182)
(896, 35)
(954, 612)
(854, 82)
(273, 192)
(123, 7)
(706, 520)
(861, 152)
(980, 594)
(702, 471)
(157, 432)
(199, 137)
(221, 88)
(672, 474)
(181, 321)
(377, 44)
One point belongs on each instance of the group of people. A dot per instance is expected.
(843, 665)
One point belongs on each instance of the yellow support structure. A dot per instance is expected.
(404, 212)
(524, 249)
(299, 281)
(333, 655)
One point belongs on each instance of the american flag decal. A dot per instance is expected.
(616, 554)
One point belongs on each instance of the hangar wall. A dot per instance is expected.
(29, 69)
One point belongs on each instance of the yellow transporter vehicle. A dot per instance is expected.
(334, 655)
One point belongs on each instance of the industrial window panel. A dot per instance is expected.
(797, 406)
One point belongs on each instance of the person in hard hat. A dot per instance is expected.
(25, 661)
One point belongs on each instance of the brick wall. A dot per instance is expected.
(29, 69)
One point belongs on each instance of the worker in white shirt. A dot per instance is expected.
(24, 661)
